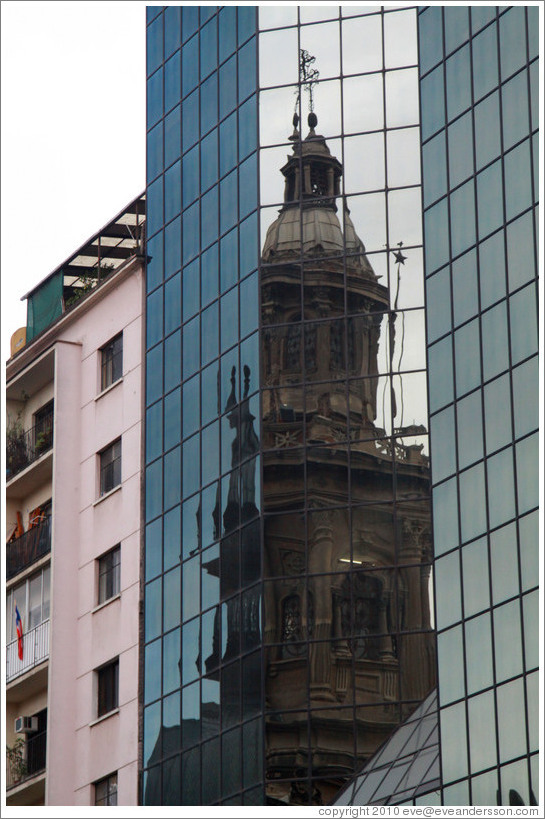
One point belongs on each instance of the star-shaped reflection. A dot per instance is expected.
(399, 257)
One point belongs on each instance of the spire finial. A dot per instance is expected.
(308, 76)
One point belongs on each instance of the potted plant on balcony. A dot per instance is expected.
(43, 442)
(16, 759)
(16, 452)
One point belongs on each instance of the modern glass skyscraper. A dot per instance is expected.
(479, 102)
(287, 627)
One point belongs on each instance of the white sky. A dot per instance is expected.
(73, 133)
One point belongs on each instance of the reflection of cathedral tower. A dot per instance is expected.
(346, 613)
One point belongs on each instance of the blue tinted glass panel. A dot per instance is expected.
(470, 434)
(190, 285)
(434, 168)
(229, 318)
(190, 116)
(173, 136)
(209, 103)
(487, 130)
(172, 247)
(247, 70)
(460, 148)
(154, 374)
(171, 661)
(209, 47)
(209, 226)
(462, 218)
(520, 251)
(436, 233)
(451, 663)
(190, 176)
(173, 479)
(247, 127)
(154, 52)
(248, 245)
(154, 322)
(492, 269)
(209, 333)
(191, 349)
(442, 444)
(478, 653)
(468, 365)
(172, 82)
(246, 23)
(228, 87)
(209, 393)
(154, 196)
(154, 482)
(430, 30)
(173, 351)
(228, 202)
(480, 16)
(209, 160)
(485, 62)
(456, 26)
(472, 502)
(191, 232)
(155, 97)
(526, 409)
(515, 119)
(227, 32)
(191, 460)
(249, 297)
(447, 577)
(495, 346)
(512, 41)
(445, 516)
(228, 144)
(210, 453)
(172, 418)
(173, 24)
(433, 102)
(497, 413)
(490, 199)
(518, 180)
(501, 488)
(171, 599)
(191, 651)
(191, 588)
(190, 66)
(523, 323)
(154, 268)
(209, 274)
(190, 21)
(191, 409)
(475, 575)
(527, 456)
(505, 576)
(172, 537)
(458, 82)
(154, 432)
(465, 287)
(190, 539)
(155, 152)
(440, 373)
(152, 671)
(248, 186)
(438, 302)
(173, 303)
(173, 191)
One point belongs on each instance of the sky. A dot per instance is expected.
(73, 133)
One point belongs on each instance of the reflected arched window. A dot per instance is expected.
(360, 614)
(292, 626)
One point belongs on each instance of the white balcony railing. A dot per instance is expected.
(35, 651)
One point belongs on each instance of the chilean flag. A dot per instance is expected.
(19, 627)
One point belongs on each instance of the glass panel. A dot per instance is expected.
(518, 181)
(475, 575)
(512, 41)
(469, 424)
(453, 744)
(478, 653)
(523, 323)
(527, 473)
(466, 342)
(460, 148)
(497, 413)
(447, 579)
(485, 62)
(490, 199)
(501, 489)
(443, 444)
(430, 30)
(450, 664)
(525, 379)
(511, 720)
(445, 516)
(482, 731)
(464, 285)
(472, 502)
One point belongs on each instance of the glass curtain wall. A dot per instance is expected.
(349, 650)
(287, 625)
(201, 687)
(479, 101)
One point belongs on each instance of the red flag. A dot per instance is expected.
(19, 627)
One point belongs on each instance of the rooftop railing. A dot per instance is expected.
(28, 548)
(25, 447)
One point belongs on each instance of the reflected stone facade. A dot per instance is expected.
(347, 525)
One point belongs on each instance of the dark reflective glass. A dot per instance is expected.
(227, 25)
(248, 186)
(154, 98)
(173, 349)
(209, 393)
(191, 588)
(209, 274)
(208, 47)
(152, 725)
(209, 333)
(210, 772)
(190, 651)
(191, 465)
(172, 81)
(173, 136)
(152, 671)
(190, 526)
(172, 247)
(154, 482)
(190, 66)
(231, 772)
(173, 303)
(171, 599)
(210, 453)
(210, 502)
(190, 289)
(154, 432)
(191, 348)
(173, 478)
(228, 202)
(209, 161)
(247, 127)
(152, 608)
(154, 381)
(247, 70)
(171, 661)
(154, 37)
(228, 260)
(172, 538)
(155, 151)
(154, 267)
(153, 549)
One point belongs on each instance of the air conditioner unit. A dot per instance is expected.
(26, 725)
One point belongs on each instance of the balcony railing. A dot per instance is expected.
(27, 549)
(35, 651)
(23, 448)
(28, 761)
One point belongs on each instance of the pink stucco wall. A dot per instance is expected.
(83, 637)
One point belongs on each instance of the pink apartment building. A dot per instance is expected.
(74, 444)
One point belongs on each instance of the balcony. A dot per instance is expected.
(28, 548)
(26, 759)
(35, 651)
(25, 447)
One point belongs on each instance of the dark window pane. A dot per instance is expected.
(485, 62)
(173, 136)
(190, 66)
(107, 685)
(155, 152)
(173, 22)
(172, 82)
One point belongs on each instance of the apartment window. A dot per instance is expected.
(43, 428)
(111, 364)
(108, 688)
(110, 467)
(109, 566)
(106, 790)
(32, 598)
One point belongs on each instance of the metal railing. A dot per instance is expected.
(23, 448)
(28, 761)
(35, 651)
(28, 548)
